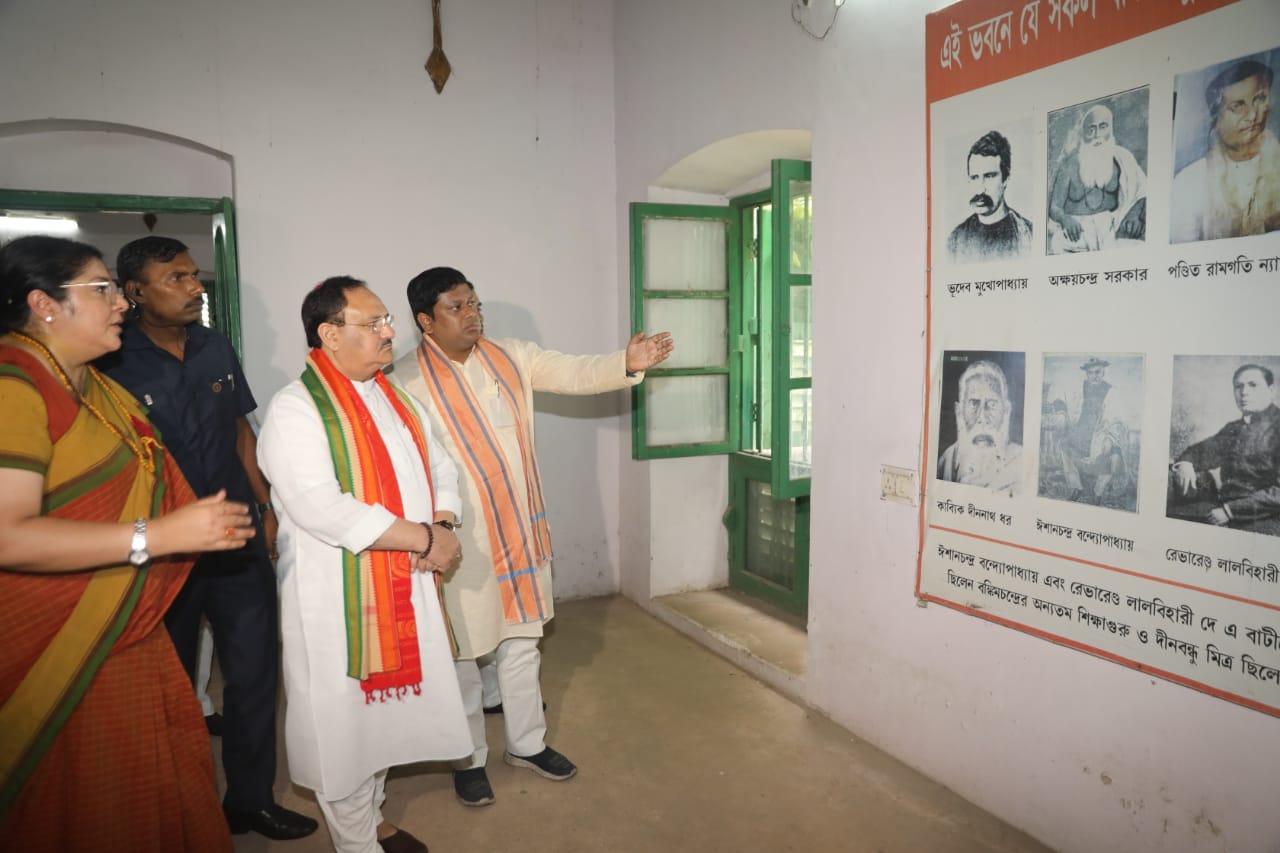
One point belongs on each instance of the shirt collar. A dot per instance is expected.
(133, 338)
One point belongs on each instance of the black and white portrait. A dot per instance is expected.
(1224, 442)
(1226, 156)
(980, 420)
(1091, 428)
(991, 182)
(1097, 177)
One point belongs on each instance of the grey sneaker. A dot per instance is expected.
(549, 764)
(472, 787)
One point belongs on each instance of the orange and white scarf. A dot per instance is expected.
(519, 537)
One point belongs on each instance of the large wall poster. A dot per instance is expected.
(1102, 457)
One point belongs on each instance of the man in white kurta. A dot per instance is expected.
(447, 310)
(340, 745)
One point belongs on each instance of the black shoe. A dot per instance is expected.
(472, 787)
(549, 764)
(497, 709)
(213, 722)
(402, 842)
(275, 822)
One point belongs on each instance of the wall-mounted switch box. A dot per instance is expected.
(898, 485)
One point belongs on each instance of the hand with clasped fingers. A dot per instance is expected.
(444, 554)
(210, 524)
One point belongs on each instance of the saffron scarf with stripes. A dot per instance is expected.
(519, 537)
(382, 636)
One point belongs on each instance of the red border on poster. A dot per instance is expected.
(975, 43)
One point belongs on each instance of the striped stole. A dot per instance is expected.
(519, 538)
(382, 636)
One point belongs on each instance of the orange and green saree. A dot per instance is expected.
(102, 745)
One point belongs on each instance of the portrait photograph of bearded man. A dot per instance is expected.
(1098, 174)
(980, 421)
(1226, 155)
(993, 183)
(1091, 428)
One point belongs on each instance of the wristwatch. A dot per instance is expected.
(448, 525)
(264, 507)
(138, 545)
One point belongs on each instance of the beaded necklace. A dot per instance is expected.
(142, 448)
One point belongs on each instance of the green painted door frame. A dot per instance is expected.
(226, 295)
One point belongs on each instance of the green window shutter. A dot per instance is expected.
(226, 295)
(684, 279)
(791, 327)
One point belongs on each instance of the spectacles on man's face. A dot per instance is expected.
(386, 321)
(108, 290)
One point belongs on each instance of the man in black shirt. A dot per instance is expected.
(995, 231)
(1232, 478)
(190, 380)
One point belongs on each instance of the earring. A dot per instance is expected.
(48, 318)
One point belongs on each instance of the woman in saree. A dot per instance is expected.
(102, 741)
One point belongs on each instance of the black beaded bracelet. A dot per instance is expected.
(431, 540)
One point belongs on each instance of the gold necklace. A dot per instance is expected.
(142, 448)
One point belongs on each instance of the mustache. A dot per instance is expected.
(982, 200)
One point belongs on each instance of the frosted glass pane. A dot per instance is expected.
(801, 458)
(699, 328)
(771, 535)
(685, 254)
(686, 410)
(802, 331)
(801, 226)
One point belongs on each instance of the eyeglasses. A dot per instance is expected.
(108, 290)
(376, 326)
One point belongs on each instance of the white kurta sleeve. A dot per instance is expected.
(293, 454)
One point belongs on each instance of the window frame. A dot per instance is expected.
(782, 173)
(640, 212)
(226, 297)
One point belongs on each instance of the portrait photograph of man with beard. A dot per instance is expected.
(1091, 428)
(980, 422)
(1098, 173)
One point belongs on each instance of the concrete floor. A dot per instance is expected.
(679, 750)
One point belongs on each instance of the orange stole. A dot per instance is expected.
(519, 538)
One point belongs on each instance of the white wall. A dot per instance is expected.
(347, 161)
(1084, 754)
